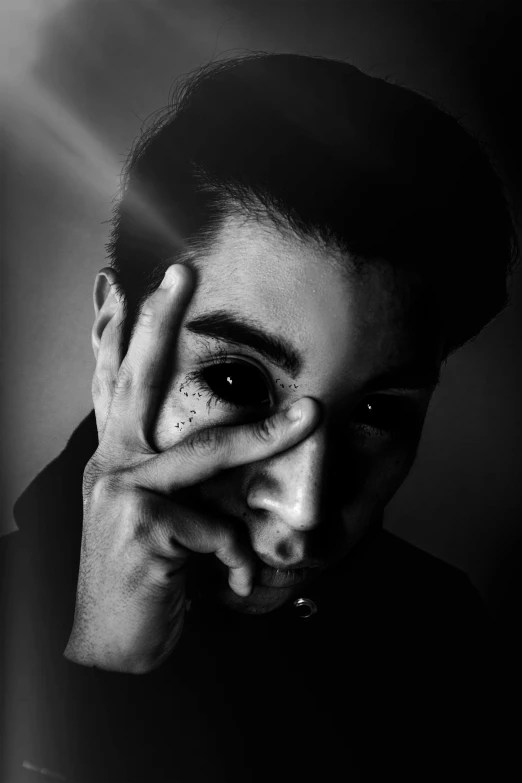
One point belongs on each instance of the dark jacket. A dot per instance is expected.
(397, 675)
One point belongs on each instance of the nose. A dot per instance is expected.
(290, 487)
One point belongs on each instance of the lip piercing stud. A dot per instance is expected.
(305, 608)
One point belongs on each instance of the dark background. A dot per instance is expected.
(79, 78)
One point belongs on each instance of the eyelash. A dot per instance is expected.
(220, 358)
(398, 412)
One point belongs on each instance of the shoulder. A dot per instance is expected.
(39, 561)
(416, 569)
(423, 603)
(441, 596)
(399, 570)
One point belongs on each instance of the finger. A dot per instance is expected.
(152, 343)
(193, 531)
(241, 567)
(110, 355)
(212, 450)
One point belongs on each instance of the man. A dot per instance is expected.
(201, 588)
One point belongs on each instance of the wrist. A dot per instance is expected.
(134, 657)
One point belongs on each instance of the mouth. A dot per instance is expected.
(266, 575)
(272, 576)
(279, 577)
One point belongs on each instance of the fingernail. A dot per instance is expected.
(170, 277)
(295, 412)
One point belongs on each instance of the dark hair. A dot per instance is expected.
(317, 145)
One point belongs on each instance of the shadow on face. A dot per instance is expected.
(275, 318)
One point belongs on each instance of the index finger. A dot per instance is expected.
(109, 359)
(155, 335)
(212, 450)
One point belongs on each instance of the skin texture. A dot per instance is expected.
(181, 480)
(315, 501)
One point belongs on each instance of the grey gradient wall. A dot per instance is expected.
(81, 75)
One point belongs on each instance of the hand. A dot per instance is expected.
(137, 540)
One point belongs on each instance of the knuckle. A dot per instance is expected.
(266, 431)
(124, 381)
(96, 485)
(99, 386)
(139, 517)
(108, 494)
(225, 539)
(133, 517)
(206, 442)
(147, 319)
(90, 475)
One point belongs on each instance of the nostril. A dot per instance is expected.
(283, 550)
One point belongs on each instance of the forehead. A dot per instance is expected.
(344, 323)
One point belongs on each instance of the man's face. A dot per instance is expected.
(275, 318)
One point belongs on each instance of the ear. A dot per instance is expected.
(105, 303)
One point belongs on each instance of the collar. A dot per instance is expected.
(56, 490)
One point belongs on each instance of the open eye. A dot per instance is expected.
(385, 414)
(238, 383)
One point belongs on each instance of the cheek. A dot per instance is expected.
(387, 473)
(371, 470)
(180, 415)
(375, 478)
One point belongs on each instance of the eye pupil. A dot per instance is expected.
(378, 413)
(386, 413)
(238, 383)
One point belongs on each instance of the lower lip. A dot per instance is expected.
(275, 577)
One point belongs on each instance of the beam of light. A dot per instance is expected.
(21, 22)
(42, 125)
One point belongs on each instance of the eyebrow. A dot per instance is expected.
(412, 376)
(238, 330)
